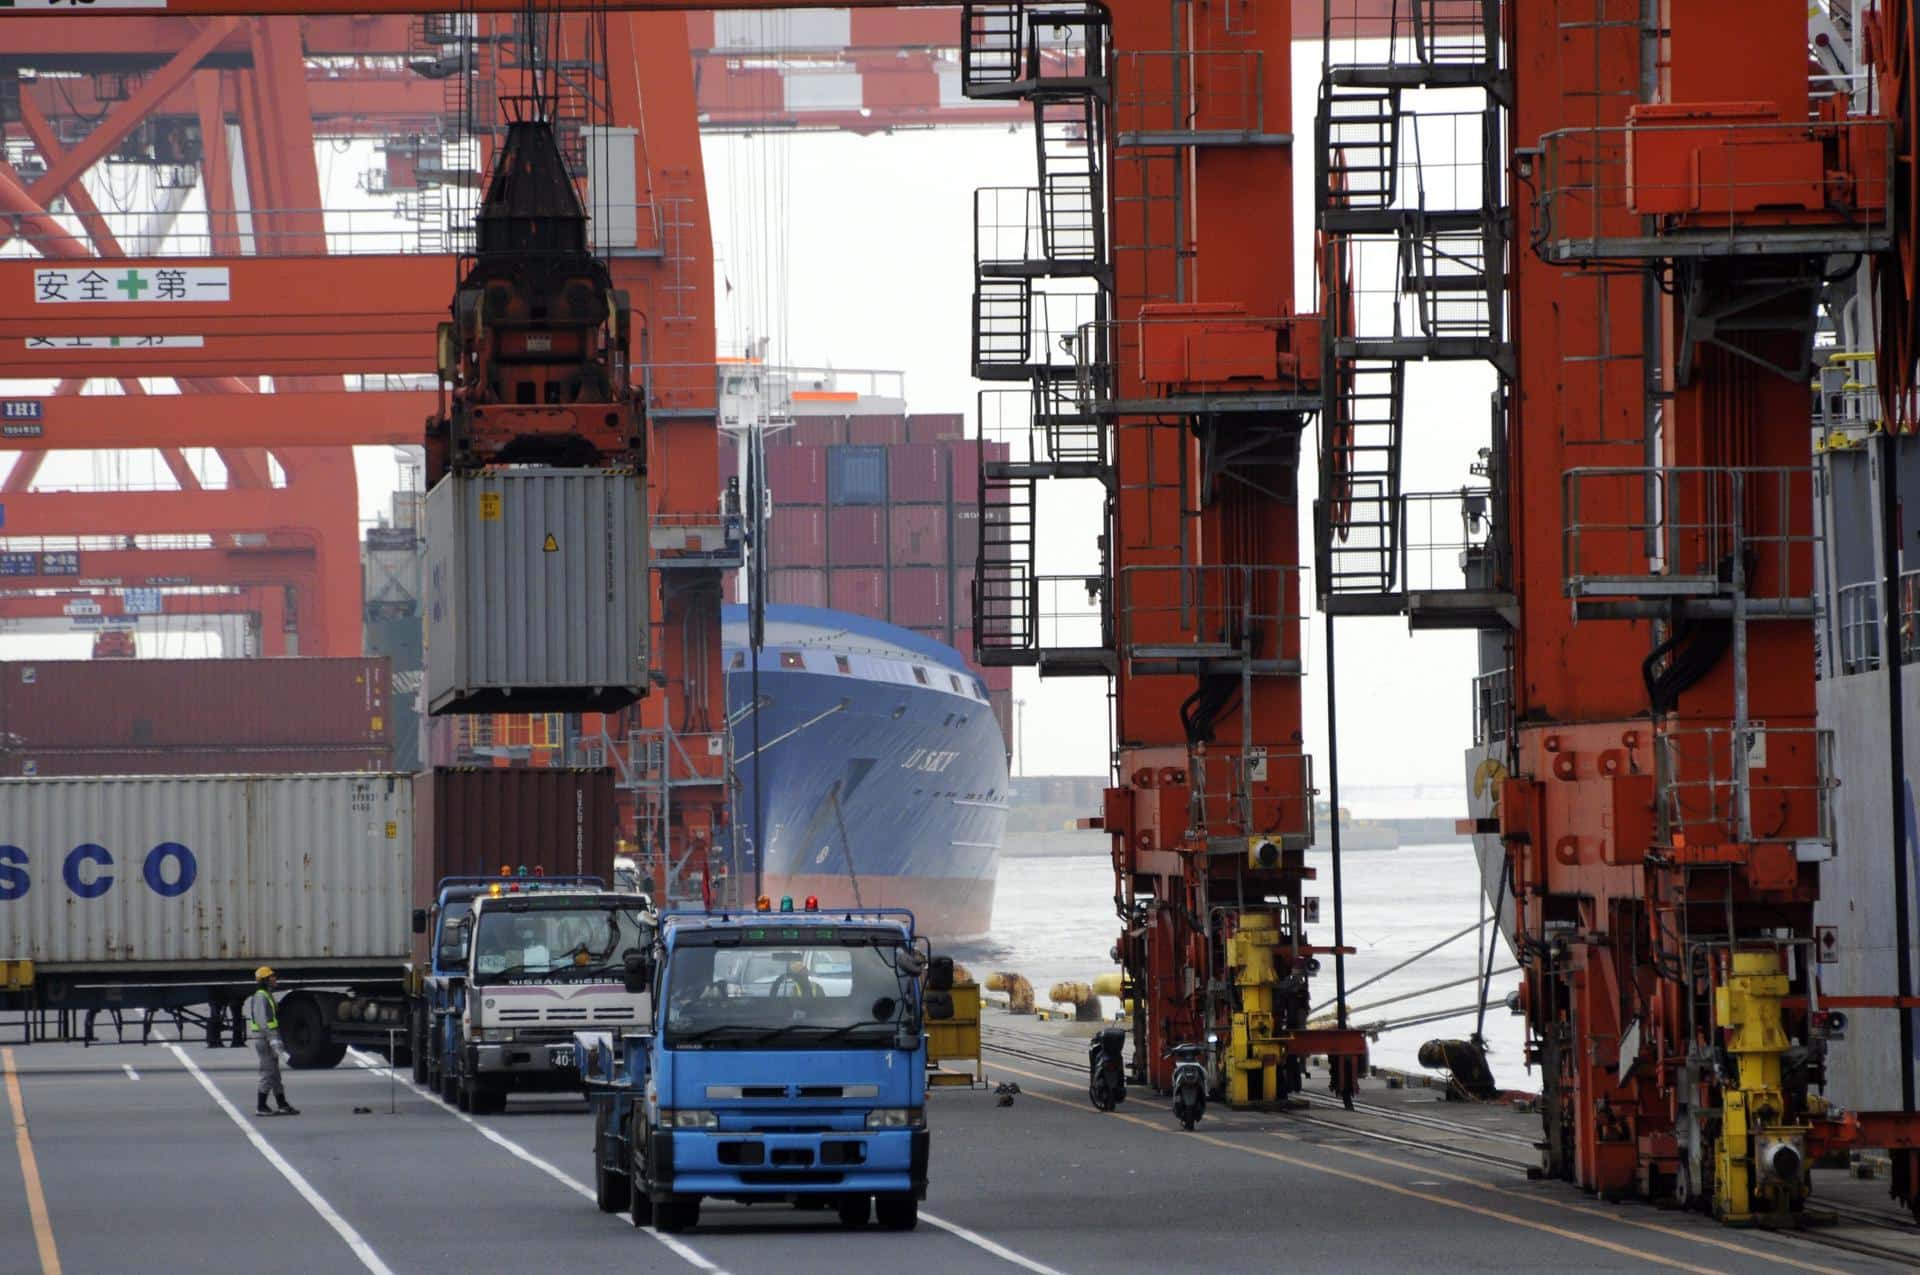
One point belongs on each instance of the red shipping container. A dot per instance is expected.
(963, 576)
(917, 474)
(810, 431)
(857, 536)
(729, 460)
(963, 461)
(877, 431)
(919, 535)
(998, 679)
(474, 822)
(37, 763)
(861, 590)
(216, 705)
(920, 597)
(935, 427)
(966, 533)
(963, 643)
(798, 537)
(797, 588)
(797, 475)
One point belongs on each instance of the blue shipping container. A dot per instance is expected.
(857, 475)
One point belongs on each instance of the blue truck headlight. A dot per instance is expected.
(896, 1118)
(687, 1118)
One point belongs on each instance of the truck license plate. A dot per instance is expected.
(563, 1056)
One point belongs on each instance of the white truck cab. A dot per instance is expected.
(541, 965)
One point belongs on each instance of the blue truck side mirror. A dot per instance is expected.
(419, 920)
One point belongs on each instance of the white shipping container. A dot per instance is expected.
(196, 870)
(537, 591)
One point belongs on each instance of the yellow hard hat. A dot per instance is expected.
(262, 974)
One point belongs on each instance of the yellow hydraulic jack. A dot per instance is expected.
(1256, 1050)
(1760, 1159)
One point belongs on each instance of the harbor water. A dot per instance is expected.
(1054, 921)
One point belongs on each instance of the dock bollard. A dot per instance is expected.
(1018, 990)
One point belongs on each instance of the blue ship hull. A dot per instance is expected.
(882, 776)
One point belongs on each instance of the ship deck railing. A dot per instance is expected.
(1861, 622)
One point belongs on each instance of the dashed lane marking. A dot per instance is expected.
(30, 1172)
(979, 1241)
(1512, 1219)
(1001, 1251)
(343, 1228)
(374, 1067)
(131, 1073)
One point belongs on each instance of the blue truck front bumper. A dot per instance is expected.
(738, 1164)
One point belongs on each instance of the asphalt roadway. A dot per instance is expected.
(128, 1158)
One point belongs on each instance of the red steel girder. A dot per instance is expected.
(52, 606)
(1305, 15)
(123, 118)
(322, 418)
(289, 316)
(285, 561)
(79, 513)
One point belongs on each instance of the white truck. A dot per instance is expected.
(541, 964)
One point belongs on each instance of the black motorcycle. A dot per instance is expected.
(1189, 1083)
(1106, 1073)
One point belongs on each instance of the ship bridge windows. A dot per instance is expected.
(792, 659)
(920, 675)
(955, 679)
(739, 660)
(842, 663)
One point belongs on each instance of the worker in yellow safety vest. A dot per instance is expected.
(263, 1016)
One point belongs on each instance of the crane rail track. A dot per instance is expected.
(1885, 1220)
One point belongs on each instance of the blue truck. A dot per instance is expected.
(786, 1064)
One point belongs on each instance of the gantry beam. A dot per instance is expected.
(286, 563)
(285, 316)
(337, 418)
(111, 606)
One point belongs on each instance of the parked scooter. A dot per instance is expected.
(1106, 1076)
(1190, 1082)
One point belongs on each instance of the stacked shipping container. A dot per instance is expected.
(879, 514)
(185, 717)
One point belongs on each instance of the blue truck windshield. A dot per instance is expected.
(785, 995)
(544, 944)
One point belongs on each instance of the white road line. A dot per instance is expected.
(683, 1251)
(980, 1241)
(974, 1238)
(131, 1073)
(361, 1249)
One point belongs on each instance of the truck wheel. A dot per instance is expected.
(639, 1204)
(682, 1213)
(449, 1086)
(328, 1055)
(611, 1191)
(304, 1031)
(462, 1093)
(897, 1212)
(854, 1210)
